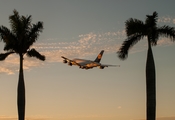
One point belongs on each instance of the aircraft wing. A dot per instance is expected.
(71, 62)
(101, 66)
(68, 60)
(110, 65)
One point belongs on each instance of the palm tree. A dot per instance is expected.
(19, 40)
(137, 30)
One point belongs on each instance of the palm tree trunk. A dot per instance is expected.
(21, 92)
(150, 84)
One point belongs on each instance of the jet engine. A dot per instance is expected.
(101, 67)
(70, 64)
(64, 61)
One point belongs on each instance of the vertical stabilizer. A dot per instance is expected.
(99, 56)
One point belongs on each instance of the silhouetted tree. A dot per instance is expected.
(137, 30)
(19, 40)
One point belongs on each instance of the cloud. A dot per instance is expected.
(82, 46)
(167, 19)
(11, 64)
(164, 42)
(6, 70)
(85, 45)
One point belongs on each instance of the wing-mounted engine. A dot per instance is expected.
(82, 67)
(70, 64)
(85, 67)
(64, 61)
(101, 67)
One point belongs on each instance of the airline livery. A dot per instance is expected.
(88, 64)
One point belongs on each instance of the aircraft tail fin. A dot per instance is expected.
(98, 59)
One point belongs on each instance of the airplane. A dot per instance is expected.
(88, 64)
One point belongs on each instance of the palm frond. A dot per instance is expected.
(151, 20)
(155, 15)
(26, 24)
(34, 32)
(167, 31)
(153, 35)
(8, 38)
(128, 44)
(134, 26)
(3, 56)
(34, 53)
(15, 22)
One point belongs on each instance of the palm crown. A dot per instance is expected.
(137, 30)
(21, 36)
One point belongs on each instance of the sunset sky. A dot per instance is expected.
(81, 29)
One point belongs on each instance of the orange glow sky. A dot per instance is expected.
(81, 29)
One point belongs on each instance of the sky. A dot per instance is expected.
(81, 29)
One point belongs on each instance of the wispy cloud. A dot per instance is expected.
(83, 45)
(11, 64)
(167, 19)
(6, 70)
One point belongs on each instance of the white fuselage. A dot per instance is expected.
(86, 63)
